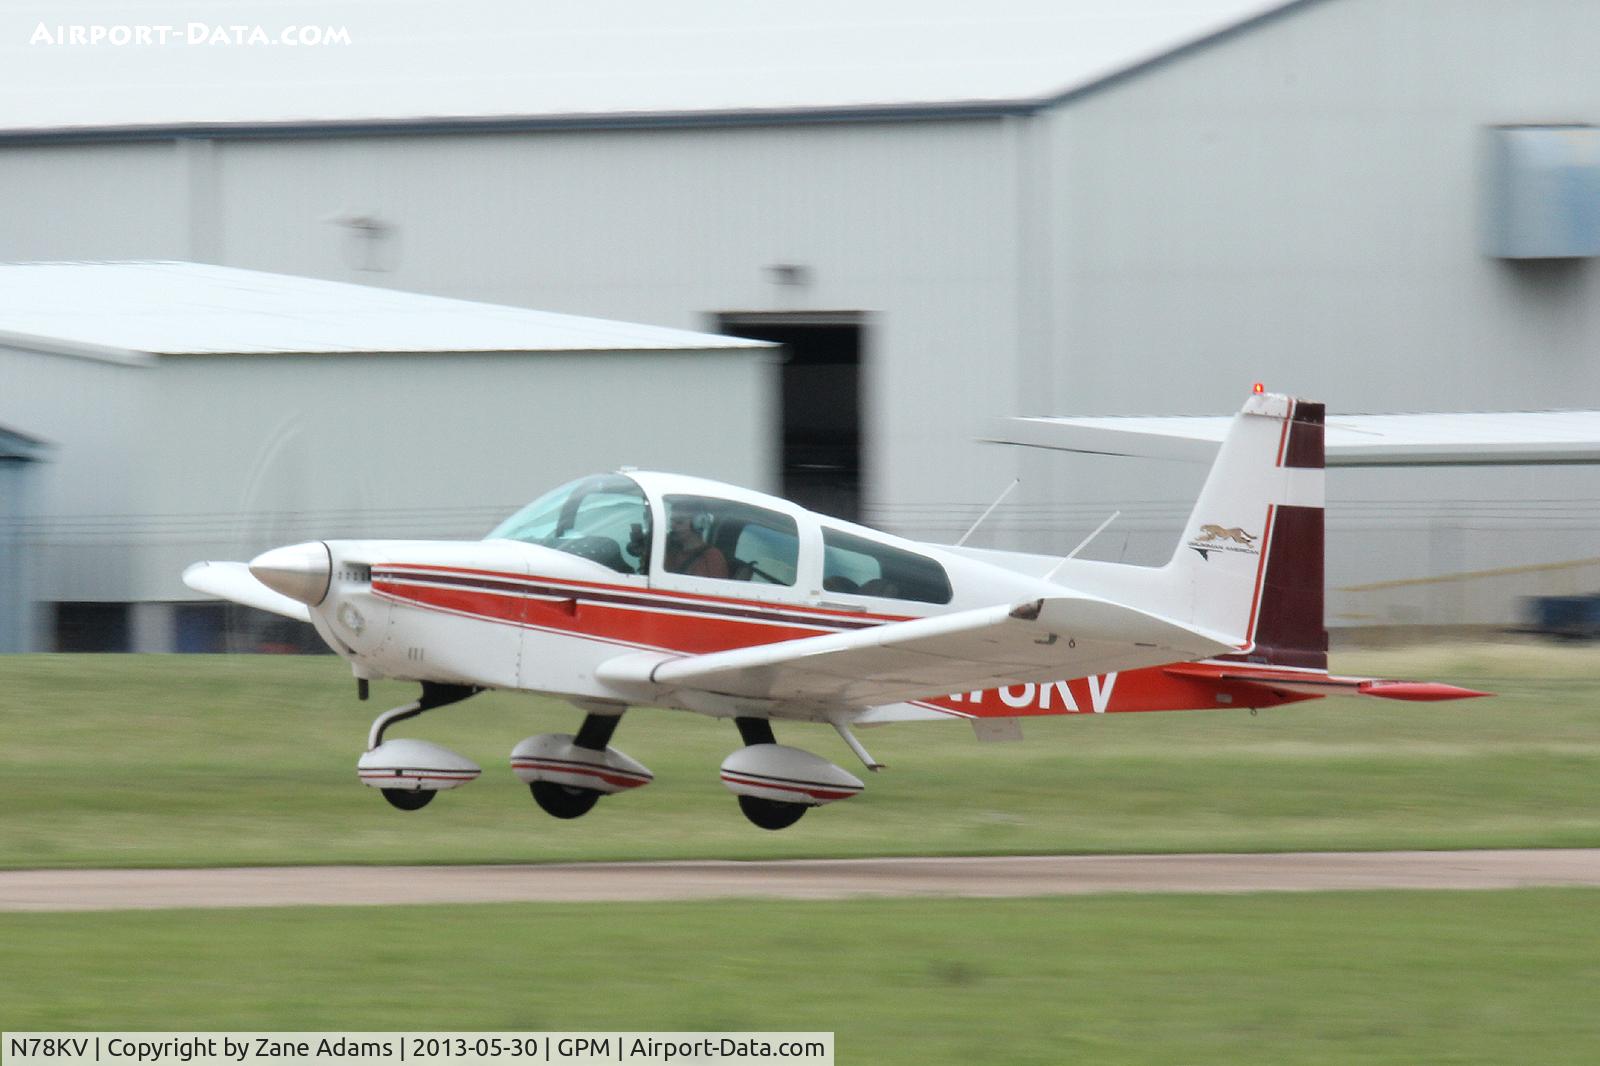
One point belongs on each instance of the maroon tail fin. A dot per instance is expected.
(1289, 628)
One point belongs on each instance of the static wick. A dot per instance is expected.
(1014, 483)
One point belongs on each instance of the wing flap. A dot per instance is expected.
(233, 581)
(1056, 637)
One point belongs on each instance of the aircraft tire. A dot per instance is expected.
(563, 801)
(407, 799)
(771, 814)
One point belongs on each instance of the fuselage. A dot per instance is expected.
(600, 568)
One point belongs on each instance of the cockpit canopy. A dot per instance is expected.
(607, 519)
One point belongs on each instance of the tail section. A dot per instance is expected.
(1248, 571)
(1250, 563)
(1248, 568)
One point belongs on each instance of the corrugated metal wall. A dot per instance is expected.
(17, 611)
(1298, 204)
(203, 457)
(914, 224)
(1303, 204)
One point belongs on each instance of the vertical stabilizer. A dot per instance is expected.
(1248, 566)
(1250, 561)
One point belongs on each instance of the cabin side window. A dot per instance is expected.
(730, 541)
(867, 568)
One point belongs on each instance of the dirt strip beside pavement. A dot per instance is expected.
(997, 876)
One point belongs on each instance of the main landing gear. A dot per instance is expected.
(412, 800)
(563, 801)
(764, 813)
(776, 784)
(568, 774)
(569, 801)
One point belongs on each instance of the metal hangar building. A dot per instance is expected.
(204, 412)
(948, 216)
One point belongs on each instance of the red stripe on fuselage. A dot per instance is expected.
(644, 618)
(502, 580)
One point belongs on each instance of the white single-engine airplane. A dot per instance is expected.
(658, 590)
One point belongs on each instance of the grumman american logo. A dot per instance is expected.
(1214, 538)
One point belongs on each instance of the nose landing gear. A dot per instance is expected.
(408, 772)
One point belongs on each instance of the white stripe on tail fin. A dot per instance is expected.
(1248, 566)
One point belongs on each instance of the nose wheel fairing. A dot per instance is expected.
(409, 771)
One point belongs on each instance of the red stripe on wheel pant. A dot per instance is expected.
(820, 792)
(612, 777)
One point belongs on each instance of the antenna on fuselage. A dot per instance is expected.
(1014, 483)
(1082, 544)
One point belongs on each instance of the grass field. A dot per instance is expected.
(134, 760)
(194, 760)
(1464, 977)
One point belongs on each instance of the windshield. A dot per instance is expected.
(603, 518)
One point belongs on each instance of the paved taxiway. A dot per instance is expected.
(1041, 875)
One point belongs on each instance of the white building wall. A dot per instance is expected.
(915, 223)
(18, 615)
(1301, 204)
(88, 503)
(122, 201)
(1297, 203)
(208, 457)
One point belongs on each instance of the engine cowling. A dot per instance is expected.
(415, 765)
(555, 758)
(787, 775)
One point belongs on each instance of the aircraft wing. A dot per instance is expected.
(1037, 640)
(234, 581)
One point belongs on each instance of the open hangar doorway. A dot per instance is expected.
(819, 402)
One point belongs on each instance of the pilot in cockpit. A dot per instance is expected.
(688, 551)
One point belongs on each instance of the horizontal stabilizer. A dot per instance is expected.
(1045, 639)
(1422, 691)
(1312, 683)
(233, 581)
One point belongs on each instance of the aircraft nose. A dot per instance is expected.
(300, 571)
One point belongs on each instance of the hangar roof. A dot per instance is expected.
(1464, 439)
(596, 62)
(131, 310)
